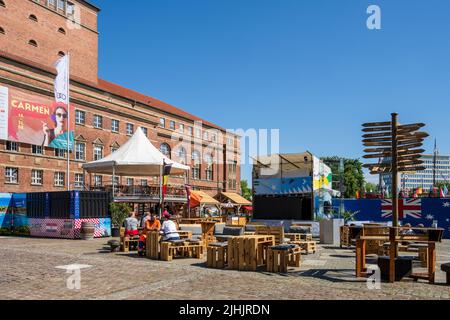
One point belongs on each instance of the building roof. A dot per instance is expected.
(153, 102)
(235, 198)
(115, 89)
(89, 4)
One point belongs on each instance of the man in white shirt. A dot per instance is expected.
(169, 229)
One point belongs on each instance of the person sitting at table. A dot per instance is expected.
(131, 225)
(152, 224)
(407, 229)
(169, 229)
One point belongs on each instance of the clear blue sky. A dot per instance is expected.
(310, 68)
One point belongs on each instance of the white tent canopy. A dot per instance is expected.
(137, 157)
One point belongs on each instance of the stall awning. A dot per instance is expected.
(234, 198)
(201, 198)
(248, 208)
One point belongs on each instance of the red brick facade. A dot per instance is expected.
(29, 68)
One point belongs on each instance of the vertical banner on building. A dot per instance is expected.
(4, 113)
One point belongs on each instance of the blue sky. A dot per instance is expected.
(309, 68)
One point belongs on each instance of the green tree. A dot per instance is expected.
(371, 187)
(353, 176)
(245, 190)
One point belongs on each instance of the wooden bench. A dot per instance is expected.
(282, 256)
(217, 255)
(277, 232)
(187, 249)
(126, 241)
(306, 246)
(299, 236)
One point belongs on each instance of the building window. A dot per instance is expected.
(61, 5)
(144, 182)
(32, 17)
(115, 126)
(213, 137)
(181, 155)
(33, 43)
(144, 130)
(229, 141)
(198, 133)
(116, 181)
(165, 150)
(37, 177)
(130, 129)
(70, 9)
(98, 121)
(37, 149)
(80, 151)
(196, 160)
(114, 149)
(11, 175)
(79, 180)
(2, 31)
(59, 179)
(130, 182)
(181, 128)
(191, 131)
(172, 125)
(80, 117)
(51, 3)
(12, 146)
(205, 135)
(209, 167)
(98, 180)
(60, 153)
(98, 152)
(162, 122)
(61, 30)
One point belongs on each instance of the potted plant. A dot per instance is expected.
(119, 212)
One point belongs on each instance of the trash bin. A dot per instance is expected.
(403, 267)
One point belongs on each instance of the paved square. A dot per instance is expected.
(31, 269)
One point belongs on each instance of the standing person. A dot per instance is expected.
(169, 229)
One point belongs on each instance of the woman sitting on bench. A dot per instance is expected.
(131, 225)
(169, 229)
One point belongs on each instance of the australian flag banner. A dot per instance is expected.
(416, 211)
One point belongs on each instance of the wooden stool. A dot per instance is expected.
(446, 268)
(282, 256)
(187, 249)
(152, 245)
(216, 256)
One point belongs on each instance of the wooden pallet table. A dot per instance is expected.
(208, 232)
(248, 252)
(278, 260)
(186, 249)
(306, 246)
(277, 232)
(152, 245)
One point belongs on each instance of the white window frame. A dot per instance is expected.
(80, 117)
(11, 144)
(98, 121)
(130, 129)
(35, 149)
(37, 177)
(11, 175)
(59, 179)
(94, 152)
(115, 128)
(78, 152)
(79, 183)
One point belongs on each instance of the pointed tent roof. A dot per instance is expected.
(137, 157)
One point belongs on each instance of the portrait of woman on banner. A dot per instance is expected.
(55, 134)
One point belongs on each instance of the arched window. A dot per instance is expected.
(165, 150)
(209, 170)
(61, 54)
(61, 30)
(181, 155)
(2, 4)
(196, 165)
(32, 17)
(2, 31)
(33, 43)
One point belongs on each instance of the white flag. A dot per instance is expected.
(61, 81)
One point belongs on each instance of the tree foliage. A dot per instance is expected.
(353, 175)
(245, 190)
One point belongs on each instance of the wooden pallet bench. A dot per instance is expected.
(299, 236)
(180, 248)
(248, 252)
(217, 255)
(282, 256)
(306, 246)
(127, 241)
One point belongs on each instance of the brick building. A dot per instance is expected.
(33, 35)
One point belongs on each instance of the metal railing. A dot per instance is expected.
(151, 191)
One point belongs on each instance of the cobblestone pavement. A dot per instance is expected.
(28, 270)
